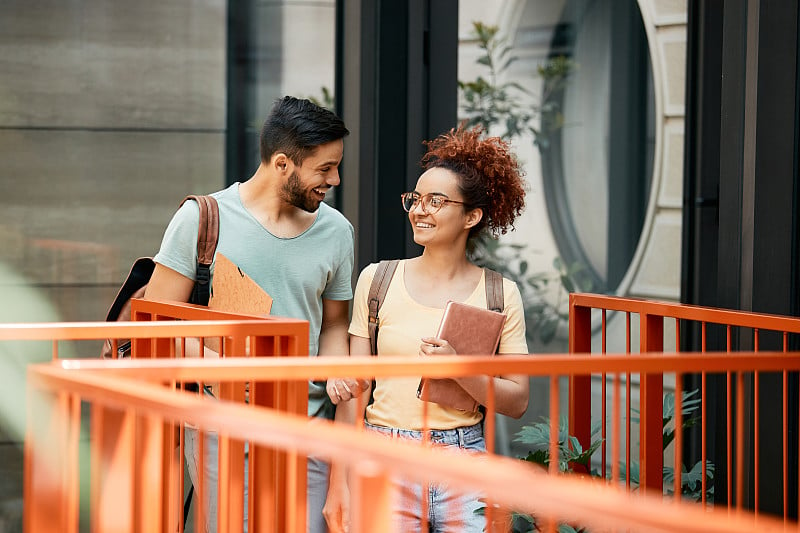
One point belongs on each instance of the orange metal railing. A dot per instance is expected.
(132, 421)
(134, 412)
(160, 330)
(590, 317)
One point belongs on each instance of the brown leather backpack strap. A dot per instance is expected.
(494, 290)
(208, 230)
(377, 293)
(207, 237)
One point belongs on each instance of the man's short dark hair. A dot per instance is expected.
(296, 127)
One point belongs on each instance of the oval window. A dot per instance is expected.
(598, 131)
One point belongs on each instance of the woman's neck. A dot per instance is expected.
(444, 264)
(434, 278)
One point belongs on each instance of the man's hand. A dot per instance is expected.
(345, 389)
(337, 504)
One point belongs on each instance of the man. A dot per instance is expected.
(277, 229)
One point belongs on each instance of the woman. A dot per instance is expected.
(470, 184)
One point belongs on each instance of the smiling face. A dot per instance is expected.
(450, 224)
(306, 186)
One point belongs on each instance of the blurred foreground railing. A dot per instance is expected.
(161, 330)
(137, 412)
(135, 409)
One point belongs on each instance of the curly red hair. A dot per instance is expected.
(490, 177)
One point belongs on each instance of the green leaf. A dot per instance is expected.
(548, 329)
(567, 283)
(539, 457)
(669, 436)
(516, 85)
(669, 405)
(575, 445)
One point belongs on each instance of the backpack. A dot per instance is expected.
(142, 269)
(383, 277)
(449, 393)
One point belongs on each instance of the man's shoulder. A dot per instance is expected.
(227, 194)
(187, 205)
(332, 216)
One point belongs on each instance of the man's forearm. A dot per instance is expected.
(333, 340)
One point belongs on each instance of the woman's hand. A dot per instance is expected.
(344, 389)
(436, 346)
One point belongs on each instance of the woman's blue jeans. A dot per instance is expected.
(450, 510)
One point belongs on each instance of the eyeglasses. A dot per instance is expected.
(431, 203)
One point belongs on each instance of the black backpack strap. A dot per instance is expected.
(377, 292)
(140, 274)
(207, 236)
(494, 290)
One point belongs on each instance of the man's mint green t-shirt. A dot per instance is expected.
(298, 272)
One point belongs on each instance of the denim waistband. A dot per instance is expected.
(461, 436)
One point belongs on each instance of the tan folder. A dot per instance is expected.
(234, 291)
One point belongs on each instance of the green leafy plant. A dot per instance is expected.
(326, 100)
(691, 479)
(571, 453)
(491, 103)
(544, 294)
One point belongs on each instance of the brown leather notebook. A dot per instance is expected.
(470, 330)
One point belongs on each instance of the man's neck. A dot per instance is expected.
(262, 196)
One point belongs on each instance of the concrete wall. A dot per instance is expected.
(110, 112)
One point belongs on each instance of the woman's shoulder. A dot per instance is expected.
(510, 285)
(511, 292)
(369, 271)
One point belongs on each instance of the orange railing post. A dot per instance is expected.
(51, 481)
(651, 397)
(269, 470)
(580, 386)
(740, 447)
(113, 462)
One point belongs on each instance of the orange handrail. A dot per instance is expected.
(375, 461)
(652, 316)
(241, 335)
(146, 421)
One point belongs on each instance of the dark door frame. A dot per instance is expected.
(397, 67)
(740, 216)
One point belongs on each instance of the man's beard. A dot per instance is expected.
(297, 196)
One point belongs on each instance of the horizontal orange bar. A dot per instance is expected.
(505, 481)
(269, 369)
(711, 315)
